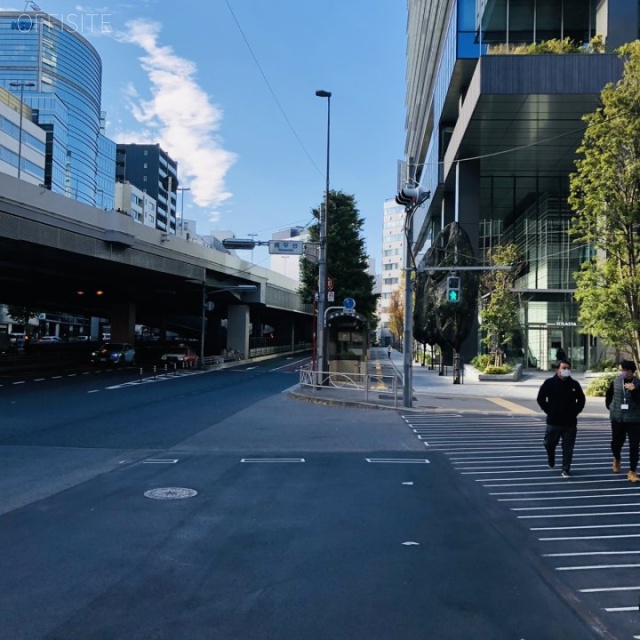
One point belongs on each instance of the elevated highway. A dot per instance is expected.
(57, 254)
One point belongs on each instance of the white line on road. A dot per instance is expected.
(599, 566)
(160, 461)
(94, 391)
(20, 382)
(587, 526)
(620, 537)
(621, 610)
(605, 589)
(590, 553)
(582, 515)
(398, 460)
(272, 460)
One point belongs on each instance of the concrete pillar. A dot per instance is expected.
(238, 328)
(123, 322)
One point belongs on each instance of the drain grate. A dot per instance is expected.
(170, 493)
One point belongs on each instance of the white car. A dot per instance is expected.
(182, 356)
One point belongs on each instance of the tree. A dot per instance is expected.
(346, 258)
(21, 315)
(396, 313)
(499, 313)
(605, 195)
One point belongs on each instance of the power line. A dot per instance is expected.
(273, 94)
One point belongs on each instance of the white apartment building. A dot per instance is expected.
(393, 242)
(135, 203)
(288, 265)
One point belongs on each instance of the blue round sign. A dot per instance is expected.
(349, 303)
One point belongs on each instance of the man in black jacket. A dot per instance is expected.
(623, 401)
(562, 399)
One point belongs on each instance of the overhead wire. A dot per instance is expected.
(271, 91)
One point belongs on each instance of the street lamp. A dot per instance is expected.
(323, 221)
(22, 84)
(183, 189)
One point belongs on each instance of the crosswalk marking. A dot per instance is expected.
(593, 514)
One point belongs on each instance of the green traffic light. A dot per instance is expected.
(453, 296)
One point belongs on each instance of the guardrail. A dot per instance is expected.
(385, 386)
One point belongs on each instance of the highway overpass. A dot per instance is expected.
(57, 254)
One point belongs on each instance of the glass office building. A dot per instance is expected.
(493, 133)
(66, 73)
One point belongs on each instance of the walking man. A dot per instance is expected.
(623, 401)
(562, 399)
(389, 351)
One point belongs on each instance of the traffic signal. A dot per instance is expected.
(453, 289)
(411, 197)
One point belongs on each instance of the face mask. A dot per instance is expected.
(565, 373)
(622, 375)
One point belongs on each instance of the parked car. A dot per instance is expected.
(182, 356)
(114, 353)
(49, 339)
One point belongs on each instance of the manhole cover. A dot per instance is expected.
(170, 493)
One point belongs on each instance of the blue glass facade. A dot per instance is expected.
(67, 72)
(478, 113)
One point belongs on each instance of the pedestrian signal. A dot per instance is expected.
(453, 289)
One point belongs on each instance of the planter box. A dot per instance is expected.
(514, 376)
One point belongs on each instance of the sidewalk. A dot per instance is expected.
(435, 393)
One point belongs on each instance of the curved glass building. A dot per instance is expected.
(61, 75)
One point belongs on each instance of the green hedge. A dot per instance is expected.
(598, 386)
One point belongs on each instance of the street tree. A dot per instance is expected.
(605, 195)
(499, 311)
(396, 313)
(347, 262)
(22, 315)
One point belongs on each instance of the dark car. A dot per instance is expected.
(114, 353)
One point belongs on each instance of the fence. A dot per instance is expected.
(338, 384)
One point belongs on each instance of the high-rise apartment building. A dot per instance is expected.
(393, 244)
(492, 132)
(150, 168)
(55, 71)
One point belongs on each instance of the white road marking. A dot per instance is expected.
(629, 535)
(398, 460)
(620, 610)
(94, 391)
(39, 379)
(605, 589)
(20, 382)
(272, 460)
(160, 461)
(599, 566)
(410, 543)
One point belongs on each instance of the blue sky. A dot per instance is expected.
(227, 87)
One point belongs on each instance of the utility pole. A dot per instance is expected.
(411, 198)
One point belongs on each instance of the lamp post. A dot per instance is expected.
(182, 189)
(323, 221)
(22, 84)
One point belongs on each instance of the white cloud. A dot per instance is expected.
(179, 116)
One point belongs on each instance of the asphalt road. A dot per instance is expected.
(272, 519)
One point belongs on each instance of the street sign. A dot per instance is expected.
(287, 247)
(331, 296)
(349, 306)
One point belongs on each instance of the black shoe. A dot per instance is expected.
(566, 473)
(551, 458)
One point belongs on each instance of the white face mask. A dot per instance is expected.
(565, 373)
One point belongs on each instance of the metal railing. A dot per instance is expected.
(339, 383)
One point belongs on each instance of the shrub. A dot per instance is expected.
(604, 365)
(505, 368)
(481, 362)
(598, 386)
